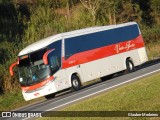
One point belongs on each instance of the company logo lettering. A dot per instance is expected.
(126, 47)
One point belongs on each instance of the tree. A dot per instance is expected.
(119, 11)
(128, 11)
(92, 6)
(145, 7)
(155, 5)
(107, 11)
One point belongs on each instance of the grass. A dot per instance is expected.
(142, 95)
(14, 99)
(153, 50)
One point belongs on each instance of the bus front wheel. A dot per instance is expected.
(76, 84)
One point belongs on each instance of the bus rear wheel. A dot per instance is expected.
(129, 66)
(50, 96)
(76, 84)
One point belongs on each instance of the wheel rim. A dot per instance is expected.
(75, 83)
(130, 66)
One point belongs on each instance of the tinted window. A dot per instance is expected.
(95, 40)
(55, 56)
(38, 55)
(56, 45)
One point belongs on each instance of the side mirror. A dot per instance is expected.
(45, 60)
(11, 68)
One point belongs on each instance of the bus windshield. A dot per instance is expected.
(32, 74)
(32, 69)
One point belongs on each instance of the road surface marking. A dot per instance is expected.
(104, 89)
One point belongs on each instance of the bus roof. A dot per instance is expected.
(46, 41)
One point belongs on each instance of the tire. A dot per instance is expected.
(129, 66)
(50, 96)
(76, 84)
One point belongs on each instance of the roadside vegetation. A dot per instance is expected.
(13, 99)
(26, 21)
(142, 95)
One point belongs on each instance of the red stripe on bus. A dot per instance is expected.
(98, 53)
(33, 87)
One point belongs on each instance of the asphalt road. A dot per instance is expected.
(89, 91)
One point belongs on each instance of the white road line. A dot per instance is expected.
(80, 92)
(77, 93)
(104, 89)
(99, 91)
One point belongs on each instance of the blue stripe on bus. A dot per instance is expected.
(99, 39)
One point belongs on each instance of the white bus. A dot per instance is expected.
(69, 59)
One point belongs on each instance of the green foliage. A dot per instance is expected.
(40, 24)
(24, 22)
(155, 5)
(13, 100)
(151, 34)
(10, 41)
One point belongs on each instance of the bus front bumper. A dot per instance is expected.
(48, 88)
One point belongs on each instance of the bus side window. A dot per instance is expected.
(54, 63)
